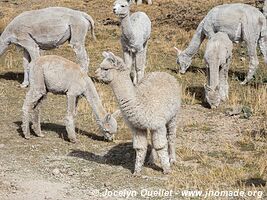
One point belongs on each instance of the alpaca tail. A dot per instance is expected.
(92, 23)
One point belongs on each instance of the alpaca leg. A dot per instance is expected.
(69, 119)
(31, 101)
(149, 2)
(128, 59)
(139, 2)
(77, 42)
(140, 65)
(36, 119)
(159, 140)
(153, 157)
(263, 45)
(171, 136)
(140, 146)
(251, 41)
(224, 86)
(26, 61)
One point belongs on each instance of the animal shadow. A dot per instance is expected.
(13, 76)
(199, 93)
(120, 155)
(60, 130)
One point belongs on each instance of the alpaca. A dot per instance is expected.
(139, 2)
(61, 76)
(217, 57)
(136, 30)
(240, 22)
(47, 29)
(152, 104)
(265, 8)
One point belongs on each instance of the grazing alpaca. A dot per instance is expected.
(46, 29)
(136, 30)
(240, 22)
(59, 75)
(217, 57)
(153, 104)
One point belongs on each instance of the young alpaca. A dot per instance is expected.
(240, 22)
(46, 29)
(136, 30)
(153, 104)
(139, 2)
(61, 76)
(217, 58)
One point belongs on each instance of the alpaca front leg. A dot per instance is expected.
(140, 146)
(159, 140)
(149, 2)
(224, 86)
(140, 64)
(69, 119)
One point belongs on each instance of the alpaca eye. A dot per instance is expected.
(122, 6)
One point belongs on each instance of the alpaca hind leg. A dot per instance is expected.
(140, 146)
(224, 86)
(138, 2)
(69, 119)
(159, 140)
(36, 119)
(171, 137)
(77, 42)
(26, 61)
(32, 99)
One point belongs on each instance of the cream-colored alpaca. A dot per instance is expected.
(61, 76)
(152, 104)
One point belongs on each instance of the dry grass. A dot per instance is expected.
(217, 152)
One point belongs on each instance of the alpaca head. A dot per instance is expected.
(121, 8)
(110, 66)
(183, 60)
(108, 126)
(212, 96)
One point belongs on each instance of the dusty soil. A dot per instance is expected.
(216, 151)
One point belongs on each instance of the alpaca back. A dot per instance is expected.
(141, 25)
(58, 74)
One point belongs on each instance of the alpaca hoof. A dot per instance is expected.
(24, 85)
(40, 135)
(137, 174)
(167, 171)
(73, 140)
(173, 161)
(27, 137)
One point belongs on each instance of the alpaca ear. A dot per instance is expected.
(116, 114)
(178, 51)
(108, 117)
(105, 54)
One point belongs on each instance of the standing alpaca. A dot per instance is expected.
(217, 58)
(47, 29)
(139, 2)
(136, 29)
(152, 104)
(58, 75)
(240, 22)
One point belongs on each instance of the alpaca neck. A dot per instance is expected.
(127, 29)
(94, 101)
(123, 88)
(196, 41)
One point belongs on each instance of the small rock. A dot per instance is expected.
(2, 146)
(71, 173)
(55, 171)
(85, 170)
(242, 59)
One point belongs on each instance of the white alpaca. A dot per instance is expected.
(153, 104)
(139, 2)
(46, 29)
(217, 57)
(61, 76)
(136, 30)
(240, 22)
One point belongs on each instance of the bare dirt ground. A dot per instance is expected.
(217, 152)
